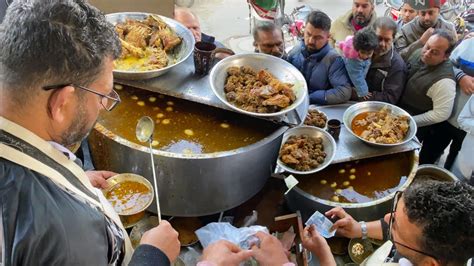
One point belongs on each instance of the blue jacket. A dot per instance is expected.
(325, 73)
(357, 70)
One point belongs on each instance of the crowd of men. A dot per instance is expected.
(56, 62)
(411, 67)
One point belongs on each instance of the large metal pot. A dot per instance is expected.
(434, 172)
(191, 184)
(307, 204)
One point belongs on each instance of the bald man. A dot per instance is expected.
(191, 21)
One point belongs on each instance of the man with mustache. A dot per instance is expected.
(268, 39)
(361, 16)
(431, 87)
(415, 34)
(322, 67)
(387, 73)
(56, 75)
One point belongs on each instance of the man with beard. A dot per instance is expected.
(387, 73)
(416, 33)
(56, 63)
(431, 88)
(322, 67)
(431, 224)
(361, 16)
(268, 39)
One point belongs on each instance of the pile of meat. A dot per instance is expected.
(258, 91)
(315, 118)
(303, 153)
(148, 41)
(384, 127)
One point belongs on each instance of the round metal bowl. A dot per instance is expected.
(179, 55)
(362, 107)
(314, 107)
(116, 179)
(328, 142)
(279, 68)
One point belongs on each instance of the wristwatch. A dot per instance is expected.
(363, 227)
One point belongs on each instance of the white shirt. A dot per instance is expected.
(442, 93)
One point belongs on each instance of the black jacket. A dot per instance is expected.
(387, 77)
(45, 225)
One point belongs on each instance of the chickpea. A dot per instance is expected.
(225, 125)
(333, 185)
(118, 87)
(346, 183)
(350, 187)
(155, 143)
(338, 191)
(369, 173)
(141, 103)
(352, 177)
(169, 109)
(189, 132)
(160, 115)
(152, 99)
(165, 121)
(134, 97)
(342, 171)
(324, 182)
(335, 198)
(353, 170)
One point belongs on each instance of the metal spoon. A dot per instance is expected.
(144, 133)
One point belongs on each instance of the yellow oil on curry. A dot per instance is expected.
(129, 197)
(182, 126)
(359, 181)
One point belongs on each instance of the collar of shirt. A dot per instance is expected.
(64, 150)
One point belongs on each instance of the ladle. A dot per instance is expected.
(144, 133)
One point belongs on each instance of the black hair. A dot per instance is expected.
(365, 40)
(386, 23)
(52, 42)
(264, 26)
(319, 20)
(444, 211)
(448, 36)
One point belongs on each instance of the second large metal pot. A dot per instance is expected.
(307, 204)
(191, 185)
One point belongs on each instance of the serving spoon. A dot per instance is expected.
(144, 133)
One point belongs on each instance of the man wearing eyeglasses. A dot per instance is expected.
(415, 34)
(431, 223)
(56, 62)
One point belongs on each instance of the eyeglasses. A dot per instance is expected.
(396, 198)
(108, 101)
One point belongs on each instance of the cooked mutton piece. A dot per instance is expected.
(128, 49)
(169, 39)
(157, 60)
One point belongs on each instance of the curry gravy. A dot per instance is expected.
(358, 129)
(129, 197)
(359, 181)
(182, 126)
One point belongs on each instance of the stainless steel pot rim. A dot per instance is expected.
(357, 106)
(167, 20)
(364, 204)
(109, 134)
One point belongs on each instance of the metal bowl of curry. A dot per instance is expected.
(380, 124)
(272, 68)
(129, 194)
(174, 56)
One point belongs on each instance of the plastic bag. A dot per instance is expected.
(243, 237)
